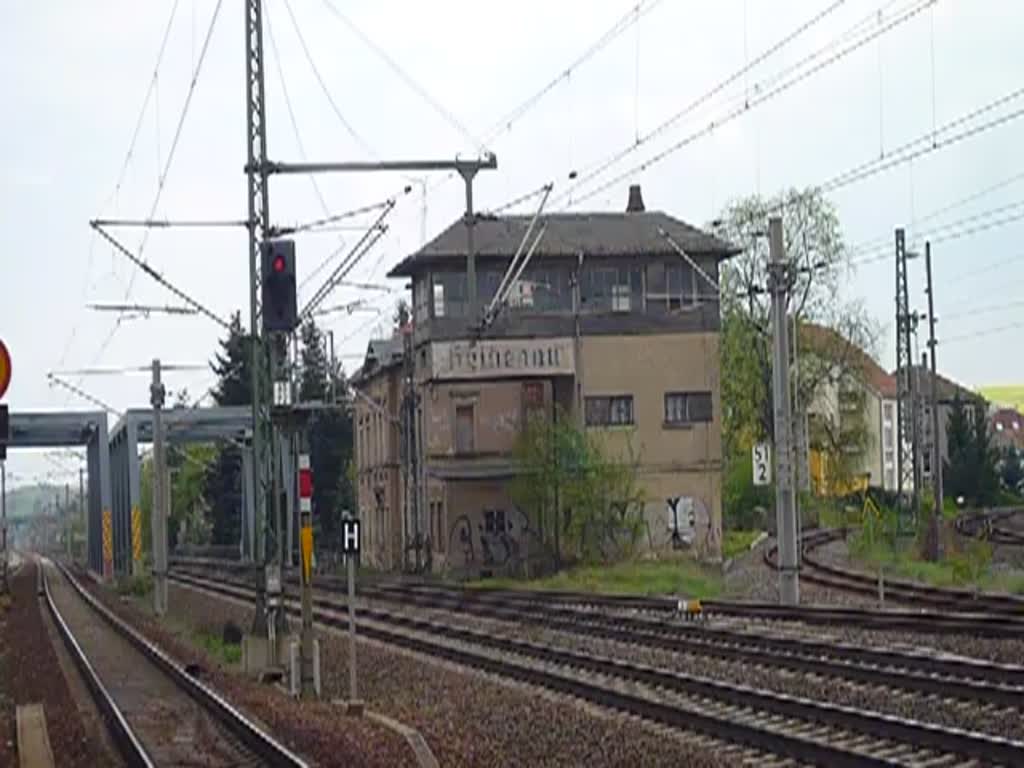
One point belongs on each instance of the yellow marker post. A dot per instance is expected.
(136, 541)
(306, 541)
(108, 545)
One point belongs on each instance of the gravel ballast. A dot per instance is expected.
(315, 730)
(31, 673)
(471, 719)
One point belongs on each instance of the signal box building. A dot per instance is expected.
(615, 320)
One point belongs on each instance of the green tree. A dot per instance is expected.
(1011, 472)
(814, 245)
(574, 492)
(985, 459)
(331, 436)
(222, 481)
(971, 469)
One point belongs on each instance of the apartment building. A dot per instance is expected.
(852, 394)
(614, 321)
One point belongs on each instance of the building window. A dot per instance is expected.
(926, 462)
(670, 286)
(620, 298)
(449, 294)
(464, 429)
(687, 407)
(610, 288)
(888, 435)
(421, 300)
(887, 411)
(533, 401)
(616, 410)
(890, 457)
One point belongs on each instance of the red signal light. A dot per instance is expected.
(278, 264)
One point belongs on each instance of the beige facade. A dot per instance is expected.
(608, 326)
(380, 483)
(680, 464)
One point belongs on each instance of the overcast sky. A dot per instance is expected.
(415, 80)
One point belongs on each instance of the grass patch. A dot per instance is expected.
(679, 576)
(135, 586)
(215, 646)
(738, 542)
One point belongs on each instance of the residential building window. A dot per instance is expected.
(888, 435)
(926, 462)
(890, 457)
(464, 429)
(605, 411)
(687, 407)
(887, 411)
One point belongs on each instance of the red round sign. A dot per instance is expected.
(5, 368)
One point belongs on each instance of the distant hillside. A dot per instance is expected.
(34, 499)
(1005, 396)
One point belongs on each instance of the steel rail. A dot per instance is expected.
(251, 735)
(887, 728)
(128, 744)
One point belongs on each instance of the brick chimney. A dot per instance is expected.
(636, 200)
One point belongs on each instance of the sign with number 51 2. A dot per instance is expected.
(762, 464)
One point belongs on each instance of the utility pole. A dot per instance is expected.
(934, 545)
(779, 283)
(160, 490)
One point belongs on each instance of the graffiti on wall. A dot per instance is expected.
(688, 525)
(492, 539)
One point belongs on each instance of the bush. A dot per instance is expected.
(135, 586)
(743, 502)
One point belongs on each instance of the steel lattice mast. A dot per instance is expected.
(258, 224)
(907, 471)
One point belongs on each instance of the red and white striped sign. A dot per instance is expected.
(305, 484)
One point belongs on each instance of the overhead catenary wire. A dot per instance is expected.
(129, 154)
(885, 240)
(408, 79)
(170, 159)
(745, 107)
(628, 19)
(161, 279)
(597, 168)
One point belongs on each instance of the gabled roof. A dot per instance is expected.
(381, 354)
(946, 389)
(568, 234)
(814, 337)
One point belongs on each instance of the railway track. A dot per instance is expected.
(986, 525)
(921, 621)
(800, 729)
(157, 712)
(997, 611)
(997, 684)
